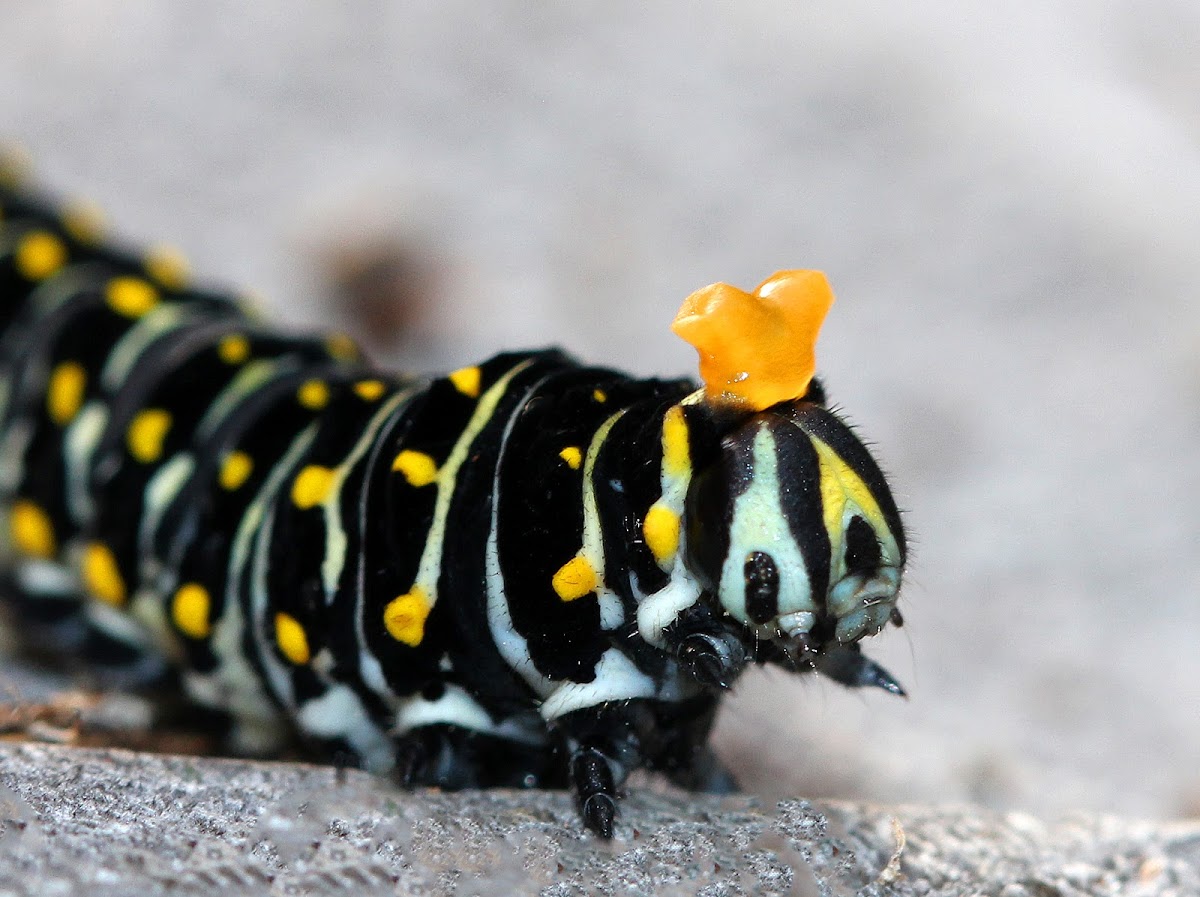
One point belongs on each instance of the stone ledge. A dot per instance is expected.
(115, 822)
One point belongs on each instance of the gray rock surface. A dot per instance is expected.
(76, 821)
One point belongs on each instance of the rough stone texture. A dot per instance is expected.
(76, 821)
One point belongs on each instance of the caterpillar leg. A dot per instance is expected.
(605, 743)
(709, 648)
(602, 745)
(595, 784)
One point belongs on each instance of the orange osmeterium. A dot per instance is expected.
(757, 349)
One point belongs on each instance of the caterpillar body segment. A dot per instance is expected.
(527, 572)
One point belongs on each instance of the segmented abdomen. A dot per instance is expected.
(305, 535)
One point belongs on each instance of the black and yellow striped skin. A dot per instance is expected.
(526, 572)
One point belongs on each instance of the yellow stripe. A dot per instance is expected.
(676, 458)
(840, 485)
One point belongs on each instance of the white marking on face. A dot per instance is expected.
(759, 524)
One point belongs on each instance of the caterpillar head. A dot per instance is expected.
(789, 525)
(794, 532)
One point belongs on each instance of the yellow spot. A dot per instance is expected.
(311, 486)
(101, 575)
(572, 455)
(313, 394)
(84, 221)
(64, 396)
(676, 458)
(661, 529)
(404, 617)
(190, 609)
(757, 349)
(342, 347)
(233, 348)
(600, 395)
(467, 381)
(168, 266)
(575, 579)
(146, 434)
(31, 530)
(235, 470)
(417, 467)
(131, 296)
(40, 254)
(369, 390)
(291, 639)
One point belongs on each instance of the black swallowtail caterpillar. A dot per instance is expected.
(525, 573)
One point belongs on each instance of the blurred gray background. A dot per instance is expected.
(1006, 201)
